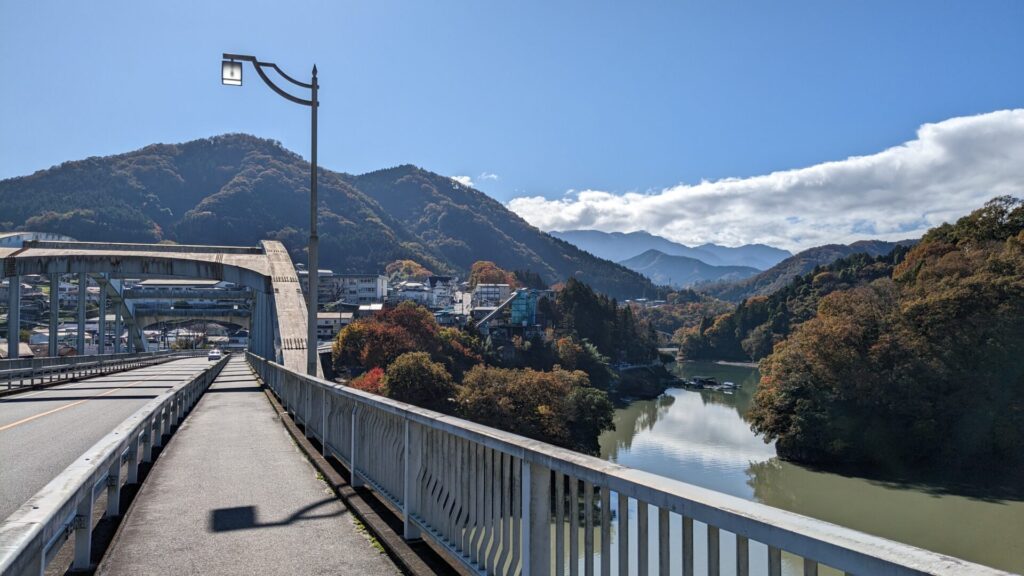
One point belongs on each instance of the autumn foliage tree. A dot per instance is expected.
(924, 367)
(486, 272)
(558, 406)
(414, 378)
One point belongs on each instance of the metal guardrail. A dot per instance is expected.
(505, 504)
(34, 533)
(54, 369)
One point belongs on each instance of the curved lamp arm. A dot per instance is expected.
(266, 79)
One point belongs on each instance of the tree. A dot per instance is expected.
(925, 367)
(486, 272)
(558, 406)
(415, 379)
(370, 381)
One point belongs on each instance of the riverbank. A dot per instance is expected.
(701, 437)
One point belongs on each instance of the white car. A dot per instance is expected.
(215, 354)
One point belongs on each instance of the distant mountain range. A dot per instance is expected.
(619, 246)
(781, 274)
(683, 271)
(237, 189)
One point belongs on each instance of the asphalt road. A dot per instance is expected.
(232, 494)
(42, 432)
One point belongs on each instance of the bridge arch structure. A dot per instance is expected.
(278, 311)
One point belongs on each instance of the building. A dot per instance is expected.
(417, 292)
(357, 288)
(328, 324)
(490, 294)
(442, 291)
(324, 288)
(367, 310)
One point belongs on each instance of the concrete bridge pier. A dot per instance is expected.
(51, 340)
(83, 294)
(118, 328)
(13, 316)
(102, 323)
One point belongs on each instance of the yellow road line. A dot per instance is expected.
(76, 403)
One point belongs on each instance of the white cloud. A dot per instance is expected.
(951, 168)
(464, 180)
(488, 176)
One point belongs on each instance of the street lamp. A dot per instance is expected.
(231, 75)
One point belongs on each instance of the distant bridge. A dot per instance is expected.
(278, 311)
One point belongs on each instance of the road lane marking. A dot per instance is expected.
(71, 385)
(76, 403)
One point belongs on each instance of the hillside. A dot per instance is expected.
(778, 276)
(237, 189)
(923, 366)
(619, 246)
(682, 271)
(464, 225)
(751, 330)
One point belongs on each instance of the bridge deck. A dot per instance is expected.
(43, 431)
(232, 494)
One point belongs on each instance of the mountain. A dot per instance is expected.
(237, 189)
(619, 246)
(780, 275)
(683, 271)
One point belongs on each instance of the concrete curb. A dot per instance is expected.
(396, 547)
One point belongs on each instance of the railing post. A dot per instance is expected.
(308, 417)
(411, 494)
(355, 480)
(114, 488)
(536, 526)
(324, 426)
(133, 460)
(83, 532)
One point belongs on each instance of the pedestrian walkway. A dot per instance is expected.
(232, 494)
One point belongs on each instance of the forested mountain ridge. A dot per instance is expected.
(237, 189)
(465, 225)
(778, 276)
(682, 271)
(924, 365)
(619, 246)
(751, 330)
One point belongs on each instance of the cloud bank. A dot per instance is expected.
(951, 168)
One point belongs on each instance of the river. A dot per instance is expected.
(701, 437)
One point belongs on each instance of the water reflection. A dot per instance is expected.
(701, 437)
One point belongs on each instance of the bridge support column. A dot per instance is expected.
(13, 316)
(102, 323)
(83, 293)
(53, 349)
(118, 328)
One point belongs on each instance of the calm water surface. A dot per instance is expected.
(701, 437)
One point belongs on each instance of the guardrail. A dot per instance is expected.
(33, 534)
(54, 369)
(505, 504)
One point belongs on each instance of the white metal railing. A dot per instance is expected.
(34, 533)
(54, 369)
(505, 504)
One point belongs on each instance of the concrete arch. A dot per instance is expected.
(278, 313)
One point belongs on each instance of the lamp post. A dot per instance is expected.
(231, 75)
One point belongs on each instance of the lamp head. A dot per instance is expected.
(231, 73)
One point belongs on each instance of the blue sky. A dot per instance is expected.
(549, 96)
